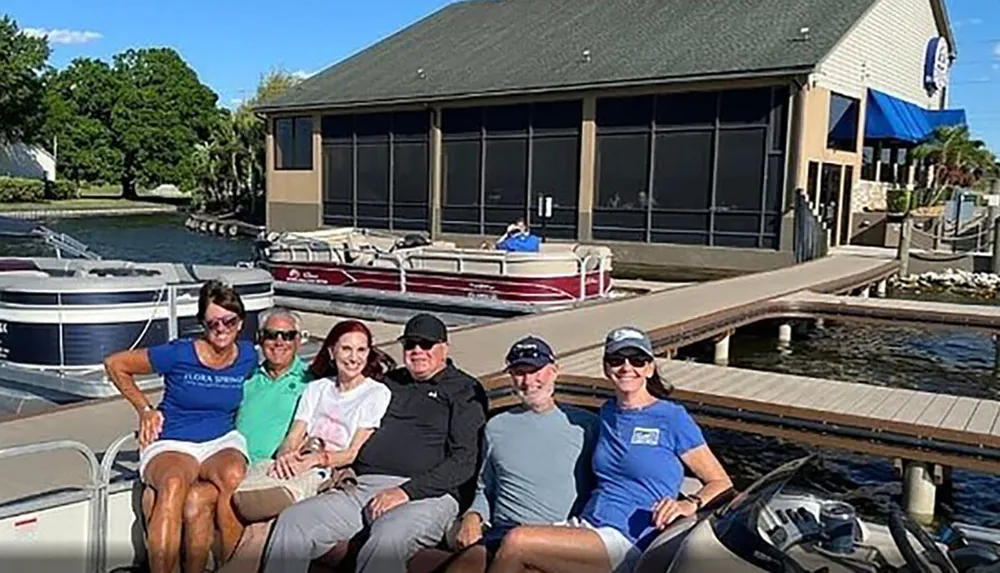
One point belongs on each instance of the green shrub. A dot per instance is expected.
(61, 189)
(20, 190)
(898, 200)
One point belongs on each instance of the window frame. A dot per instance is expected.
(296, 126)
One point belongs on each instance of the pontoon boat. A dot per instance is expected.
(350, 267)
(59, 317)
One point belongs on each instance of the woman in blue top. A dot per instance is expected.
(191, 435)
(644, 443)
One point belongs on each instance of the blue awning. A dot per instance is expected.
(889, 117)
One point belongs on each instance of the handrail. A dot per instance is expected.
(95, 546)
(810, 235)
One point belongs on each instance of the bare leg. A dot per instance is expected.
(199, 525)
(250, 549)
(551, 549)
(170, 474)
(225, 470)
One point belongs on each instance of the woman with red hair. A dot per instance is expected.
(342, 407)
(338, 411)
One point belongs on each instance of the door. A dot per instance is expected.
(845, 206)
(829, 196)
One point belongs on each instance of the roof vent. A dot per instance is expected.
(803, 35)
(586, 55)
(421, 74)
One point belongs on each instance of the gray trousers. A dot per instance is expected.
(312, 527)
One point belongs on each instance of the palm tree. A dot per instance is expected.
(957, 159)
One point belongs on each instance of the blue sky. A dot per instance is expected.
(230, 44)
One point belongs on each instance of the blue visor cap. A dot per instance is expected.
(530, 351)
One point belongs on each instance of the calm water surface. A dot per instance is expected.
(957, 362)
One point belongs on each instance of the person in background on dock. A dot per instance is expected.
(191, 434)
(270, 397)
(645, 441)
(410, 472)
(531, 454)
(342, 407)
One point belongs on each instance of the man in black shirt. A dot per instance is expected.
(414, 472)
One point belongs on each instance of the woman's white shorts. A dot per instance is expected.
(624, 555)
(200, 451)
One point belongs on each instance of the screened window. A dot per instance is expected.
(293, 143)
(700, 168)
(498, 160)
(375, 170)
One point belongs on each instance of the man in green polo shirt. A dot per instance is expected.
(270, 397)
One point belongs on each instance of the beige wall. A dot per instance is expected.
(885, 51)
(299, 190)
(815, 117)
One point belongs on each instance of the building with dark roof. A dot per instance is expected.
(674, 131)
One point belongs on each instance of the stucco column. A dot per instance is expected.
(436, 175)
(317, 165)
(588, 155)
(268, 169)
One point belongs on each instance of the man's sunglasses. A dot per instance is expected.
(286, 335)
(411, 343)
(228, 322)
(616, 360)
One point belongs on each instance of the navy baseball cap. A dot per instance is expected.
(530, 351)
(628, 337)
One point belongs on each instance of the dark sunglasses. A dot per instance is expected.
(617, 360)
(228, 322)
(411, 343)
(286, 335)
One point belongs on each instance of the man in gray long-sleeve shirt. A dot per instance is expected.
(536, 463)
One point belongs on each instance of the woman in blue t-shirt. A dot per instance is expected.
(645, 442)
(191, 434)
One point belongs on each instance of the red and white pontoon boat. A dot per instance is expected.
(354, 266)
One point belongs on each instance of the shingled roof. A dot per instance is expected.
(493, 47)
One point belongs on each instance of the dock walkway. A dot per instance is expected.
(953, 431)
(477, 349)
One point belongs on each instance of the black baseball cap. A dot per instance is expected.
(425, 327)
(530, 351)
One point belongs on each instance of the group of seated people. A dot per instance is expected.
(393, 469)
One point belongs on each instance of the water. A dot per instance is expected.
(953, 361)
(143, 238)
(957, 362)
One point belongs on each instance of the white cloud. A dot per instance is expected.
(302, 74)
(996, 50)
(975, 21)
(59, 36)
(996, 66)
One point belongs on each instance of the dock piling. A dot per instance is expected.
(722, 350)
(905, 236)
(784, 335)
(919, 491)
(882, 288)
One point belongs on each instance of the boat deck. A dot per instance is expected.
(478, 349)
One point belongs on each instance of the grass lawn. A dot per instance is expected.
(79, 204)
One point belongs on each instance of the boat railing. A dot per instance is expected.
(336, 254)
(95, 493)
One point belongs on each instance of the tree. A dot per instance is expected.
(958, 159)
(161, 113)
(79, 102)
(22, 83)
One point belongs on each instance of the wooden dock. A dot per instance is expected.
(478, 349)
(953, 431)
